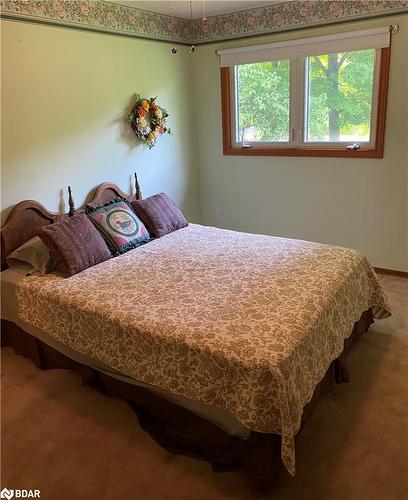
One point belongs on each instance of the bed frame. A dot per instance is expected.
(174, 428)
(29, 215)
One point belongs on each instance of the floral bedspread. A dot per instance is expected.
(244, 322)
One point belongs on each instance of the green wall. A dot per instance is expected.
(359, 203)
(64, 96)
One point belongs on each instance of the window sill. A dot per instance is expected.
(307, 152)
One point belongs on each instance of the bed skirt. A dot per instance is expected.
(177, 429)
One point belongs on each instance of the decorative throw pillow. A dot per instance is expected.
(160, 214)
(31, 257)
(74, 244)
(120, 227)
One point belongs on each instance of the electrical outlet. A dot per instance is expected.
(218, 213)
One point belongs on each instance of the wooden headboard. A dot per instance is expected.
(28, 215)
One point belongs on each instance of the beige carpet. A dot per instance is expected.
(73, 443)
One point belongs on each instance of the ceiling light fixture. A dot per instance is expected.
(204, 19)
(192, 48)
(174, 49)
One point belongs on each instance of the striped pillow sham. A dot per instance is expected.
(160, 214)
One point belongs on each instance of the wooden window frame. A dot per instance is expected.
(376, 152)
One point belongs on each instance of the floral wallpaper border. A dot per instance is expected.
(110, 17)
(291, 15)
(99, 15)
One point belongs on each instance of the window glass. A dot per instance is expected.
(338, 101)
(263, 102)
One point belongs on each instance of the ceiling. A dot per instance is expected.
(181, 8)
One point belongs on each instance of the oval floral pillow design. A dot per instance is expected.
(120, 227)
(122, 223)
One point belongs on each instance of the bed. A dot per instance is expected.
(221, 341)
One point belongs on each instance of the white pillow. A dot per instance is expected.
(31, 257)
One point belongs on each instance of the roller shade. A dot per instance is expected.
(375, 38)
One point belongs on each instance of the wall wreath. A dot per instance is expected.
(148, 120)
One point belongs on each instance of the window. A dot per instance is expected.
(263, 102)
(323, 96)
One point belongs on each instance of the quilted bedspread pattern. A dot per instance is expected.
(248, 323)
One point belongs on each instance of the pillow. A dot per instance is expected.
(160, 214)
(31, 257)
(74, 244)
(120, 227)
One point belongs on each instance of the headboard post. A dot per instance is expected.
(137, 189)
(70, 202)
(27, 216)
